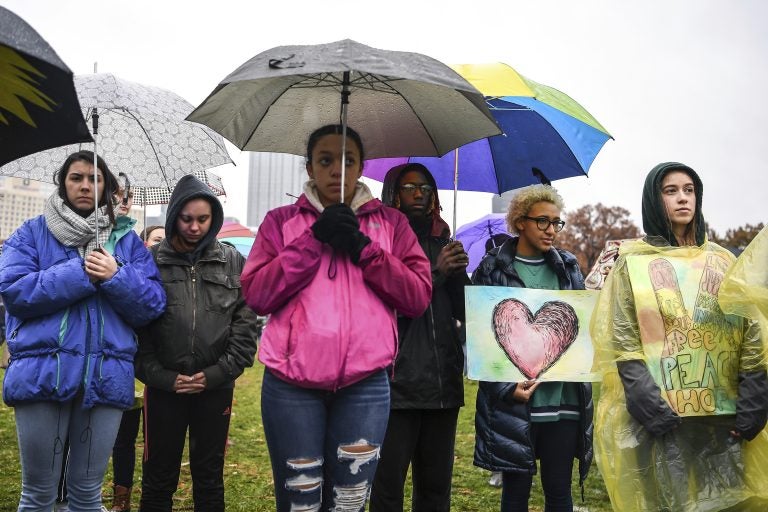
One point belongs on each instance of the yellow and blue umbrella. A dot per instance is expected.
(547, 136)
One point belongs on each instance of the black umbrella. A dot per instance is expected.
(38, 103)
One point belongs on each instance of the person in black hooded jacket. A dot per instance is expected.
(190, 357)
(427, 379)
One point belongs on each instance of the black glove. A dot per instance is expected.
(352, 243)
(336, 219)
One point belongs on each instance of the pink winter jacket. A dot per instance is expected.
(332, 322)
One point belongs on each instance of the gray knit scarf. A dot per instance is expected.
(71, 229)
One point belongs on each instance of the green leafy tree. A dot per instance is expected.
(589, 227)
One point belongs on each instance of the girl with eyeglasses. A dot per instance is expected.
(519, 422)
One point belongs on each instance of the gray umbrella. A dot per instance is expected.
(401, 103)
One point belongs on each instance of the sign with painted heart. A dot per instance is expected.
(692, 348)
(517, 334)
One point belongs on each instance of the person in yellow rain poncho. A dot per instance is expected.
(745, 287)
(680, 425)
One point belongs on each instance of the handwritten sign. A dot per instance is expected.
(692, 347)
(516, 334)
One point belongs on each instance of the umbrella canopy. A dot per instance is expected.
(400, 103)
(233, 229)
(481, 235)
(241, 243)
(38, 103)
(142, 132)
(547, 136)
(143, 196)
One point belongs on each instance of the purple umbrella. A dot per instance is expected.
(482, 235)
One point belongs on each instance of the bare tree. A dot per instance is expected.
(589, 227)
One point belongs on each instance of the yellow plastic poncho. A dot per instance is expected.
(695, 466)
(745, 288)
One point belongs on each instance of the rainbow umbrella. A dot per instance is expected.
(547, 136)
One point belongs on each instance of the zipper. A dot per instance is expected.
(437, 355)
(194, 308)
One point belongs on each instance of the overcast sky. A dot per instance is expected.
(669, 79)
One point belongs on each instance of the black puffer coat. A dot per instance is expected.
(502, 425)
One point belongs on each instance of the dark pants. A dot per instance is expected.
(124, 451)
(166, 418)
(423, 438)
(555, 446)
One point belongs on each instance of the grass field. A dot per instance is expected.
(248, 477)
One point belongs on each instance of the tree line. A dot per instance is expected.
(590, 226)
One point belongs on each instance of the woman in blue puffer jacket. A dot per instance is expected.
(73, 303)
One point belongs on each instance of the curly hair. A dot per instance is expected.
(526, 197)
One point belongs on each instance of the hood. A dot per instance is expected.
(188, 188)
(655, 220)
(389, 194)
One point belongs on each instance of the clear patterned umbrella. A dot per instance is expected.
(142, 132)
(143, 196)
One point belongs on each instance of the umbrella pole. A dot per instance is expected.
(95, 120)
(343, 116)
(144, 212)
(455, 186)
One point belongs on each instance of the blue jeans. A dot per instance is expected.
(324, 445)
(42, 429)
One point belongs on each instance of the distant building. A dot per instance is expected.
(20, 199)
(274, 179)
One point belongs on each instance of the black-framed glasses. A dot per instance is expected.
(410, 188)
(543, 223)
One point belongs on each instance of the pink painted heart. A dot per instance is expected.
(534, 342)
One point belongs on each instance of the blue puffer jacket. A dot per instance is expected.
(502, 425)
(66, 335)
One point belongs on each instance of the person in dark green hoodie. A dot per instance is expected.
(190, 357)
(684, 399)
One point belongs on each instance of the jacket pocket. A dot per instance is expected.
(221, 292)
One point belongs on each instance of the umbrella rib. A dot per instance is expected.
(361, 81)
(151, 145)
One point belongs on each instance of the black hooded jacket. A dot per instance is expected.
(206, 326)
(429, 369)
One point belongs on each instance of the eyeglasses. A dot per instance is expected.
(410, 188)
(543, 223)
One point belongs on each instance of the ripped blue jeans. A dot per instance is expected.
(324, 445)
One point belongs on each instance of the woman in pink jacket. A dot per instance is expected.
(331, 276)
